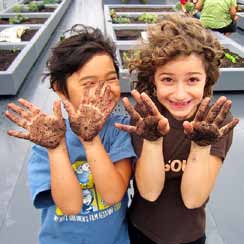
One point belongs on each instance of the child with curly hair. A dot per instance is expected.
(180, 139)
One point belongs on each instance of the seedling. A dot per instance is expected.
(17, 19)
(17, 8)
(118, 19)
(148, 18)
(232, 58)
(35, 7)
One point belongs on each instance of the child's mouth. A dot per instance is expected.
(179, 105)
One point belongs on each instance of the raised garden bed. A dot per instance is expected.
(232, 60)
(133, 2)
(12, 78)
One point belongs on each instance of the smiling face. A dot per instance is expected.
(99, 68)
(180, 85)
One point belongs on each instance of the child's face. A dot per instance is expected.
(180, 85)
(99, 68)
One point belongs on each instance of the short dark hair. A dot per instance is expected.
(77, 46)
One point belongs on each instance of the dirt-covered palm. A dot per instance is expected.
(205, 128)
(92, 113)
(149, 123)
(42, 129)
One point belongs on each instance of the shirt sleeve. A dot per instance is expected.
(222, 147)
(39, 177)
(121, 146)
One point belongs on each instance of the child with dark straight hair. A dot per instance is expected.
(79, 169)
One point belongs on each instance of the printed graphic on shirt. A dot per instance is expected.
(94, 207)
(175, 165)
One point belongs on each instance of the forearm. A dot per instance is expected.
(108, 181)
(150, 174)
(196, 180)
(65, 187)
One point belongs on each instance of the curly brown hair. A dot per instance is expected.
(176, 35)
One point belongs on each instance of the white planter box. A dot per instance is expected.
(12, 78)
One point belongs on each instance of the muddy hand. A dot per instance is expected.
(149, 123)
(90, 117)
(205, 128)
(42, 129)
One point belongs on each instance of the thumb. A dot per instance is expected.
(57, 109)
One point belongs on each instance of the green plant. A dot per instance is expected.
(35, 7)
(232, 58)
(178, 6)
(124, 1)
(17, 8)
(190, 7)
(51, 1)
(17, 19)
(143, 1)
(148, 18)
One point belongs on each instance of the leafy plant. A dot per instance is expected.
(148, 18)
(51, 1)
(35, 7)
(143, 1)
(17, 8)
(190, 7)
(232, 58)
(118, 19)
(17, 19)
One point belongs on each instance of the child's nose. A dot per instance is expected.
(180, 91)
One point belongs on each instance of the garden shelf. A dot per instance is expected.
(12, 78)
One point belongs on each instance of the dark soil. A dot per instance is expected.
(5, 21)
(45, 10)
(143, 9)
(128, 34)
(27, 36)
(226, 63)
(6, 58)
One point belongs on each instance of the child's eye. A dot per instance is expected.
(167, 79)
(89, 83)
(193, 80)
(112, 80)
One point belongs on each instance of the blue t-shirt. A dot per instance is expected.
(97, 222)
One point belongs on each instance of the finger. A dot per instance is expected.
(85, 96)
(17, 109)
(34, 109)
(223, 113)
(227, 128)
(130, 109)
(68, 106)
(215, 109)
(188, 127)
(57, 109)
(19, 134)
(98, 90)
(163, 126)
(127, 128)
(137, 96)
(19, 121)
(202, 109)
(150, 104)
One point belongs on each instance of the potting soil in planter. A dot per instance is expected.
(27, 36)
(232, 60)
(128, 34)
(7, 57)
(144, 9)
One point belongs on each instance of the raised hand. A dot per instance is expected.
(92, 113)
(205, 128)
(42, 129)
(149, 123)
